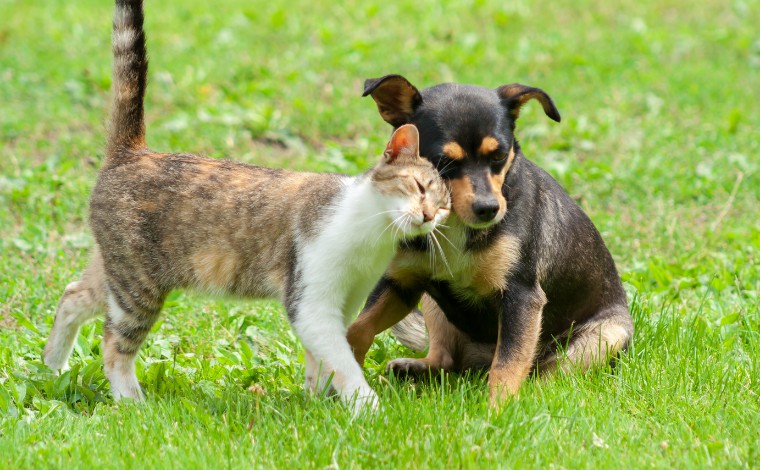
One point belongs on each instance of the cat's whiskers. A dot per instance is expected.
(392, 222)
(445, 237)
(443, 255)
(432, 253)
(378, 214)
(401, 227)
(445, 167)
(438, 163)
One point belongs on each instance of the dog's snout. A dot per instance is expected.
(486, 210)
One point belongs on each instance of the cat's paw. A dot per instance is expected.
(365, 401)
(126, 387)
(407, 367)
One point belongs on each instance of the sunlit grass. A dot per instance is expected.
(658, 143)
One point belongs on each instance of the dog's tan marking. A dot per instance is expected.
(453, 151)
(591, 344)
(504, 382)
(444, 336)
(462, 197)
(497, 181)
(215, 267)
(510, 159)
(405, 271)
(387, 310)
(488, 145)
(491, 266)
(508, 373)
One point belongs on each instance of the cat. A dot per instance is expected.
(319, 242)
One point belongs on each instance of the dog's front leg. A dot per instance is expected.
(388, 304)
(517, 344)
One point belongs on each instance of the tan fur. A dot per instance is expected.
(396, 101)
(518, 95)
(507, 373)
(361, 333)
(594, 343)
(170, 221)
(462, 197)
(440, 354)
(474, 274)
(215, 267)
(587, 312)
(488, 145)
(497, 181)
(492, 265)
(462, 194)
(510, 159)
(454, 151)
(449, 350)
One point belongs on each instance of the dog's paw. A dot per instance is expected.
(407, 367)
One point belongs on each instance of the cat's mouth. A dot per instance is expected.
(420, 225)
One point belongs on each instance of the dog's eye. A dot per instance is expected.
(498, 157)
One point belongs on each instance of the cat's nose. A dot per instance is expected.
(427, 216)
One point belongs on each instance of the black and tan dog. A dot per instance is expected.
(523, 278)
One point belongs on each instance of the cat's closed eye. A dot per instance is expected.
(420, 187)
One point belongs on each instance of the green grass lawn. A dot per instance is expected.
(659, 143)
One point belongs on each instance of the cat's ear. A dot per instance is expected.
(404, 144)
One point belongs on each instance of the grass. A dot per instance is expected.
(658, 144)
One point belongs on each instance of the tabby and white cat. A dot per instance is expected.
(162, 221)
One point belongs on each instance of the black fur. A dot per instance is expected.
(564, 273)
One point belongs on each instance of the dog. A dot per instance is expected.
(523, 280)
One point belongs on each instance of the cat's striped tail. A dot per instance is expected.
(126, 130)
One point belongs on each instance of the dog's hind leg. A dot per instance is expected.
(591, 343)
(445, 344)
(82, 301)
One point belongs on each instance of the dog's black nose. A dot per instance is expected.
(485, 211)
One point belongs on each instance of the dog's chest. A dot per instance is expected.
(469, 273)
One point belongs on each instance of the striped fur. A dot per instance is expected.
(317, 242)
(130, 77)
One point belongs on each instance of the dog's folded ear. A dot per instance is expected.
(515, 95)
(396, 98)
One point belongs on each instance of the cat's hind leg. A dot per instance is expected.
(131, 314)
(81, 301)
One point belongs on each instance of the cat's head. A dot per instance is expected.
(418, 197)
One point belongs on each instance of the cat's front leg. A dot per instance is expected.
(323, 334)
(318, 378)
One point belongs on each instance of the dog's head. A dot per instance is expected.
(466, 131)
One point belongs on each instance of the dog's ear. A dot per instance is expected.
(404, 144)
(515, 95)
(396, 98)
